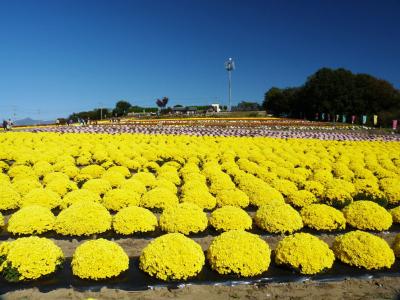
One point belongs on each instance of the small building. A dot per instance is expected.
(216, 107)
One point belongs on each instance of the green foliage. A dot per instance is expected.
(336, 91)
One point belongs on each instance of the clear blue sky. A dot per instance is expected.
(57, 57)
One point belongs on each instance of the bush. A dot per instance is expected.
(94, 171)
(233, 197)
(120, 169)
(61, 186)
(83, 218)
(240, 253)
(9, 198)
(99, 259)
(172, 257)
(98, 186)
(230, 218)
(395, 212)
(200, 197)
(159, 198)
(134, 185)
(119, 198)
(134, 219)
(305, 253)
(278, 218)
(114, 178)
(77, 196)
(24, 186)
(32, 219)
(148, 179)
(29, 258)
(185, 218)
(363, 250)
(323, 217)
(367, 215)
(337, 197)
(43, 197)
(301, 198)
(396, 246)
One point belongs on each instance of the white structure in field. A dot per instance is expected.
(216, 107)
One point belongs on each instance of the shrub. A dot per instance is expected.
(134, 219)
(396, 246)
(159, 198)
(83, 218)
(363, 250)
(148, 179)
(134, 185)
(185, 218)
(114, 178)
(119, 198)
(230, 218)
(122, 170)
(301, 198)
(32, 219)
(172, 257)
(337, 197)
(29, 258)
(24, 186)
(94, 171)
(99, 259)
(304, 253)
(9, 198)
(395, 212)
(77, 196)
(61, 186)
(40, 196)
(278, 218)
(98, 186)
(323, 217)
(240, 253)
(200, 197)
(233, 197)
(367, 215)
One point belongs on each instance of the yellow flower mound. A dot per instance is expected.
(49, 177)
(323, 217)
(1, 220)
(134, 219)
(77, 196)
(99, 259)
(395, 212)
(304, 253)
(172, 257)
(159, 198)
(396, 246)
(24, 186)
(135, 185)
(314, 187)
(148, 179)
(233, 197)
(301, 198)
(21, 172)
(83, 218)
(119, 198)
(278, 218)
(43, 197)
(61, 186)
(114, 178)
(98, 186)
(239, 252)
(185, 218)
(9, 198)
(161, 182)
(32, 219)
(201, 197)
(337, 197)
(30, 258)
(367, 215)
(122, 170)
(363, 250)
(230, 218)
(94, 171)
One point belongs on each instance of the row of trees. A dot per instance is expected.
(336, 91)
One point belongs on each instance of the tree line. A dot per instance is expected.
(336, 92)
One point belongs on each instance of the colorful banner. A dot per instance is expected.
(375, 120)
(353, 119)
(394, 124)
(364, 119)
(344, 119)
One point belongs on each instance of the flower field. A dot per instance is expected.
(237, 190)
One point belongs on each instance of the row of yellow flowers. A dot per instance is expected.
(176, 257)
(89, 217)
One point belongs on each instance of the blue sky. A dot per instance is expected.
(57, 57)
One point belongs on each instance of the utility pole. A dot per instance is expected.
(230, 66)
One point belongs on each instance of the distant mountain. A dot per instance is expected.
(29, 121)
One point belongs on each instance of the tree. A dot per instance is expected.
(162, 103)
(121, 108)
